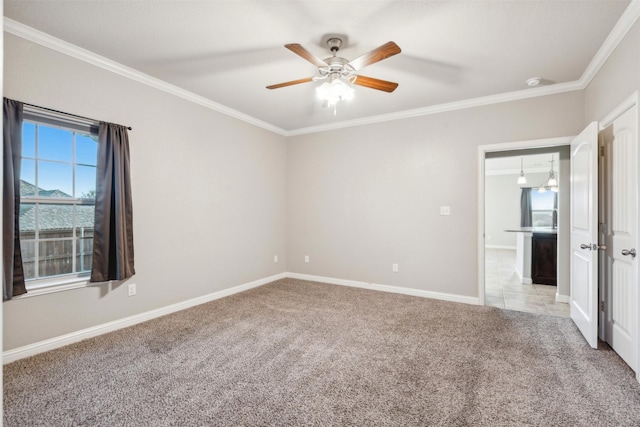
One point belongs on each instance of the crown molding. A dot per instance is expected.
(28, 33)
(622, 27)
(443, 108)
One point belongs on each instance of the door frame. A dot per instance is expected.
(505, 146)
(632, 101)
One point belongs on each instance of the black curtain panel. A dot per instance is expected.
(113, 237)
(13, 277)
(525, 208)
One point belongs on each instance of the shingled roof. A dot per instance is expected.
(28, 189)
(52, 217)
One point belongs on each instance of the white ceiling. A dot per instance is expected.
(532, 163)
(228, 51)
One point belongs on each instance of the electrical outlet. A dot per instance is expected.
(445, 210)
(306, 258)
(275, 258)
(132, 289)
(394, 268)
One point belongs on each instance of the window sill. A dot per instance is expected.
(53, 286)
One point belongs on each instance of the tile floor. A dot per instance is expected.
(504, 290)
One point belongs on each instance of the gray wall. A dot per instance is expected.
(617, 79)
(502, 206)
(362, 198)
(564, 223)
(209, 194)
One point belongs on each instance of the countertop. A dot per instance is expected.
(541, 230)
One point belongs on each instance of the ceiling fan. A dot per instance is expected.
(337, 70)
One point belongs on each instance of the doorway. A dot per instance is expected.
(489, 261)
(604, 232)
(521, 225)
(618, 231)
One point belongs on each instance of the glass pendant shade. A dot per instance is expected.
(335, 91)
(522, 179)
(551, 183)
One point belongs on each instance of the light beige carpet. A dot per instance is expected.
(304, 353)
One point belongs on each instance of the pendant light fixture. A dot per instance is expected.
(551, 183)
(522, 179)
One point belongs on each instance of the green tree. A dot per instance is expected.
(89, 195)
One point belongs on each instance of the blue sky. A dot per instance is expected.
(54, 146)
(542, 201)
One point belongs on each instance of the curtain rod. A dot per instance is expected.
(68, 114)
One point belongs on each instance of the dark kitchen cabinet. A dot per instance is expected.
(544, 255)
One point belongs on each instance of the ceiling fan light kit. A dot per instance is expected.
(333, 92)
(340, 74)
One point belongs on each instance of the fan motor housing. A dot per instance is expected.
(334, 44)
(336, 61)
(336, 65)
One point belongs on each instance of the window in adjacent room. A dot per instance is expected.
(543, 212)
(57, 198)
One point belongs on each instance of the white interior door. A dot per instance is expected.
(584, 233)
(621, 231)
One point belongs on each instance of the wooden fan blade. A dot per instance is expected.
(300, 51)
(378, 54)
(375, 83)
(291, 83)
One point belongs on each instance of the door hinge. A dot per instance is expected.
(601, 305)
(602, 151)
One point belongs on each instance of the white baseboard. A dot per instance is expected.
(519, 274)
(562, 298)
(523, 280)
(70, 338)
(388, 288)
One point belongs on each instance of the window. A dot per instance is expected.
(57, 198)
(543, 212)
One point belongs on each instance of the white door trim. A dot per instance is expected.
(488, 148)
(623, 107)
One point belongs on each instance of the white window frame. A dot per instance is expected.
(49, 284)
